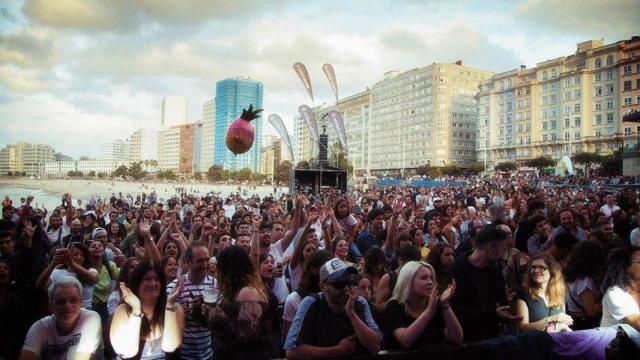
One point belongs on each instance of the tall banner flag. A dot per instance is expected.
(338, 124)
(331, 76)
(303, 74)
(277, 123)
(310, 118)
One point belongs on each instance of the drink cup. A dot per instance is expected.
(210, 296)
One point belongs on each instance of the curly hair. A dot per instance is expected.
(617, 268)
(586, 259)
(434, 256)
(235, 271)
(556, 287)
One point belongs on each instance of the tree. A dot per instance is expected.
(450, 170)
(215, 173)
(74, 174)
(166, 174)
(586, 159)
(343, 162)
(136, 172)
(611, 165)
(506, 166)
(540, 162)
(475, 167)
(102, 175)
(304, 164)
(91, 174)
(282, 172)
(121, 171)
(243, 174)
(423, 169)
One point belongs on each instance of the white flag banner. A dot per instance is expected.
(277, 123)
(331, 76)
(338, 124)
(303, 74)
(310, 118)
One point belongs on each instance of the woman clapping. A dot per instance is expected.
(147, 311)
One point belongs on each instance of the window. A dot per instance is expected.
(544, 101)
(610, 60)
(609, 74)
(597, 77)
(553, 99)
(567, 136)
(609, 131)
(554, 73)
(610, 89)
(553, 137)
(610, 118)
(576, 108)
(627, 69)
(567, 123)
(567, 95)
(553, 124)
(598, 91)
(544, 126)
(544, 137)
(627, 131)
(627, 85)
(627, 100)
(598, 105)
(609, 103)
(577, 121)
(576, 80)
(577, 94)
(598, 63)
(544, 75)
(576, 135)
(598, 119)
(637, 83)
(567, 109)
(638, 99)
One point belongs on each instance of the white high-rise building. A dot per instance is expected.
(207, 140)
(174, 111)
(115, 150)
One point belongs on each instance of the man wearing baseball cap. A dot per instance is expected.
(335, 322)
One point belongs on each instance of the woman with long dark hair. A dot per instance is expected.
(124, 277)
(245, 325)
(582, 275)
(157, 319)
(441, 258)
(374, 261)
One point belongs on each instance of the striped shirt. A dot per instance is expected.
(196, 338)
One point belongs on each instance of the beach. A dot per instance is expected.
(84, 189)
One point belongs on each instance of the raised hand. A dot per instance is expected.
(28, 228)
(447, 294)
(351, 301)
(130, 298)
(171, 299)
(433, 300)
(144, 229)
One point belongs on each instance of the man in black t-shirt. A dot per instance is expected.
(335, 322)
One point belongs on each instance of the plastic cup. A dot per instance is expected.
(210, 296)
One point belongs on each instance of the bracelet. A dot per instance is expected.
(136, 315)
(445, 307)
(172, 308)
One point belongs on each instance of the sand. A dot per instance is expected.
(85, 188)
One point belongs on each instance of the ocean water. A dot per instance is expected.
(40, 197)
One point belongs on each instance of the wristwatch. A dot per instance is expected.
(173, 307)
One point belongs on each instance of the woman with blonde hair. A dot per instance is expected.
(415, 314)
(541, 300)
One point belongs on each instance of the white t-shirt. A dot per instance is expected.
(54, 235)
(291, 306)
(576, 289)
(616, 305)
(229, 210)
(43, 338)
(279, 283)
(608, 211)
(87, 289)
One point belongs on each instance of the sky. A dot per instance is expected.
(78, 73)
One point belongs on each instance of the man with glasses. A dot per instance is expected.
(335, 322)
(70, 333)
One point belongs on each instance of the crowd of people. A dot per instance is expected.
(322, 275)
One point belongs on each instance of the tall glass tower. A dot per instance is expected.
(233, 95)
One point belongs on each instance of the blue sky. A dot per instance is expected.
(76, 73)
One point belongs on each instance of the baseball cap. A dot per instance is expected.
(336, 270)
